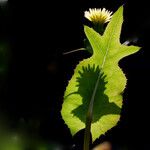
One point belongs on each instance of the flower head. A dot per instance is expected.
(100, 16)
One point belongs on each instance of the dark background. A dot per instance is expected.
(38, 32)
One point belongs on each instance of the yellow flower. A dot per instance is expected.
(100, 16)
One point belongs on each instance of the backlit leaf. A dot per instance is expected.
(99, 77)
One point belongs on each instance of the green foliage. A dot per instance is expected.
(99, 80)
(11, 143)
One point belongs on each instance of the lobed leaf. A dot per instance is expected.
(100, 77)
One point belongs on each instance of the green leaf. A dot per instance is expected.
(98, 78)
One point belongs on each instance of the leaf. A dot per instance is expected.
(99, 77)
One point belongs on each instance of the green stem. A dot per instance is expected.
(99, 28)
(75, 50)
(89, 117)
(87, 133)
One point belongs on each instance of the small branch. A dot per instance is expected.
(126, 42)
(129, 41)
(72, 51)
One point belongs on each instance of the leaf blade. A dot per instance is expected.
(107, 52)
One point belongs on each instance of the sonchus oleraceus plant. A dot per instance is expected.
(93, 98)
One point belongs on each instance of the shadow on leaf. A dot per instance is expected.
(86, 83)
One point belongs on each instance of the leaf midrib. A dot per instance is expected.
(90, 110)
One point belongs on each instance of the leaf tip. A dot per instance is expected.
(119, 11)
(86, 28)
(121, 8)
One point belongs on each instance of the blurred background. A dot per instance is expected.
(34, 73)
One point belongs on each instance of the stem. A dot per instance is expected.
(72, 51)
(99, 28)
(87, 133)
